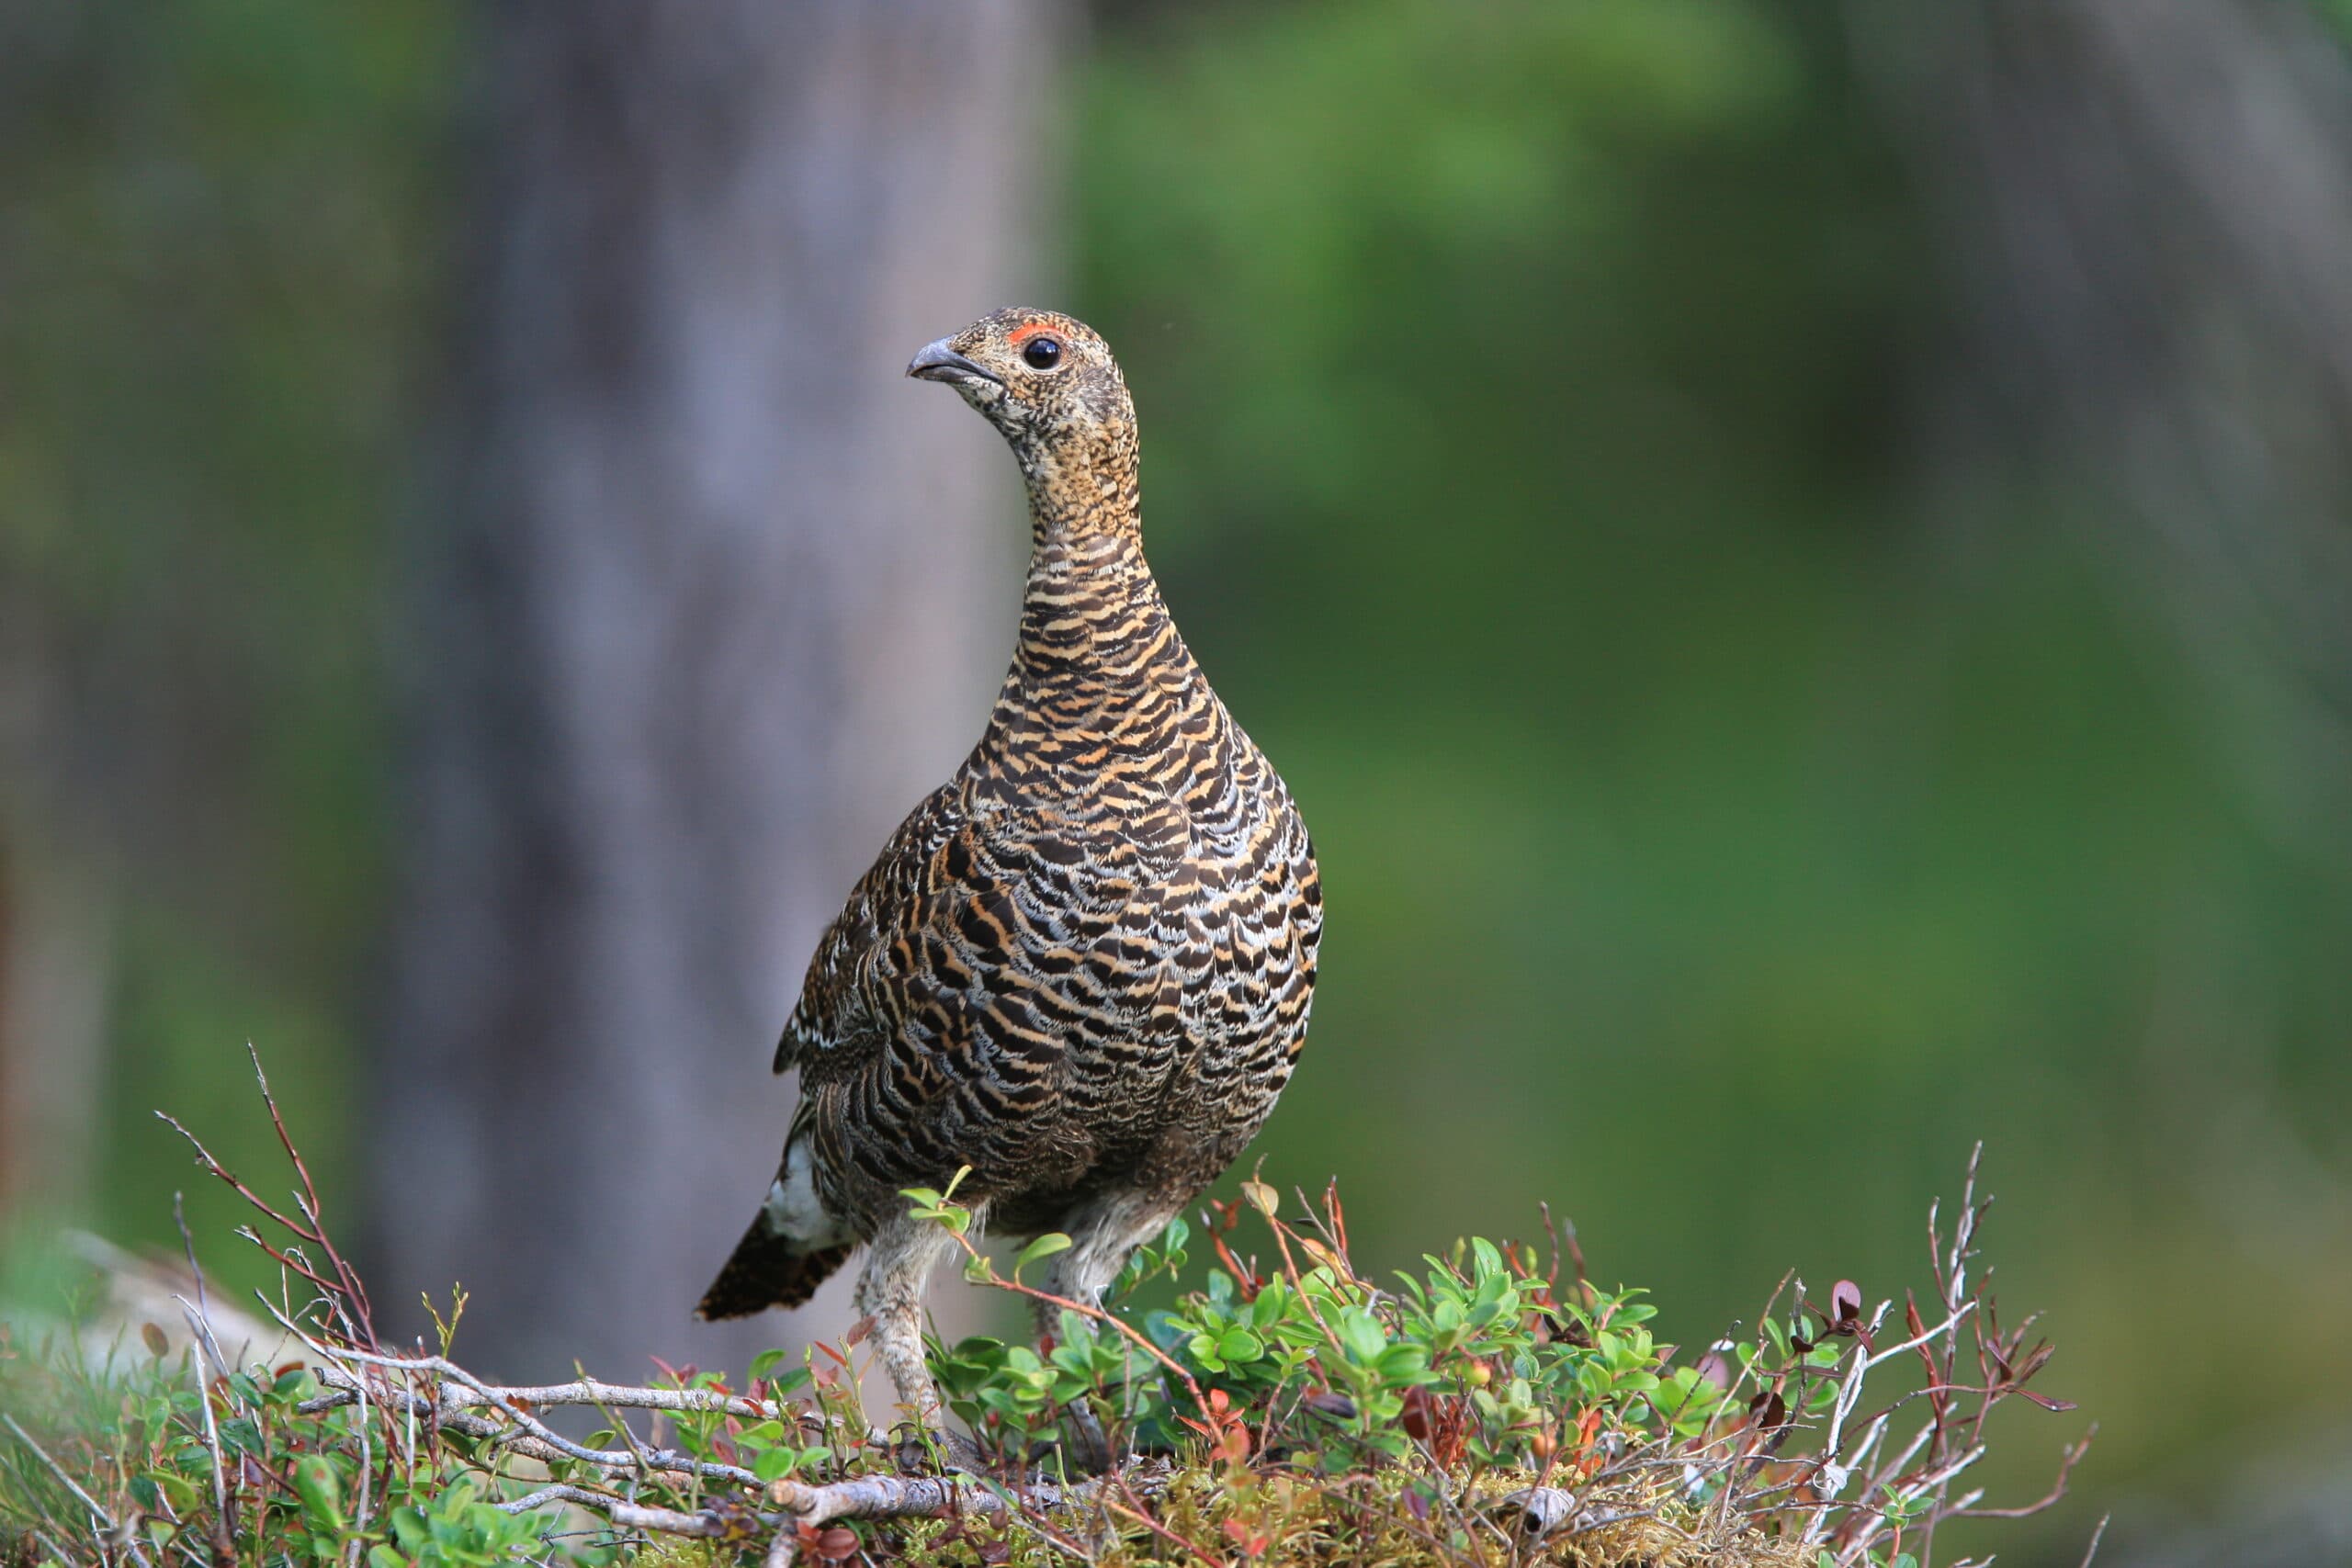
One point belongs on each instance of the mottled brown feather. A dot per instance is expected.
(766, 1271)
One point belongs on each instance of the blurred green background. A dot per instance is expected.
(1763, 731)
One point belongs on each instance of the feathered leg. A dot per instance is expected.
(899, 1259)
(1103, 1233)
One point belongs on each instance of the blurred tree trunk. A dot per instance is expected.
(53, 952)
(2149, 207)
(717, 595)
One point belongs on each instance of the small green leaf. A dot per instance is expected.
(764, 1362)
(1362, 1335)
(321, 1493)
(1266, 1310)
(1045, 1246)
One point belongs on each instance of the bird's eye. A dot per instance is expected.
(1042, 353)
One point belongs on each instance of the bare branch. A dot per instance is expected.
(581, 1391)
(2066, 1463)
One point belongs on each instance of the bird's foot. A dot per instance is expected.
(960, 1455)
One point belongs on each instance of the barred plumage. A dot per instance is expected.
(1083, 966)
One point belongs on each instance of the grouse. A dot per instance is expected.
(1082, 967)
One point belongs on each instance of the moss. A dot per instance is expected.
(1297, 1521)
(677, 1551)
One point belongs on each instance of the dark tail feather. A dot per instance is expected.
(768, 1270)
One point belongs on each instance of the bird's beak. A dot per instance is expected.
(937, 361)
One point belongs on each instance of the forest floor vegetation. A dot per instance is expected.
(1495, 1405)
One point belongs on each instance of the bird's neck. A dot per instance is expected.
(1084, 502)
(1090, 602)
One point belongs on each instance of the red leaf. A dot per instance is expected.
(1339, 1406)
(1415, 1418)
(1845, 1302)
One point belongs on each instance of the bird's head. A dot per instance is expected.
(1047, 382)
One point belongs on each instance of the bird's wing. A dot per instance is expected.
(881, 907)
(985, 911)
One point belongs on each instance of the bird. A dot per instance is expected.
(1082, 967)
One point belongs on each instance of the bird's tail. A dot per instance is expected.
(769, 1269)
